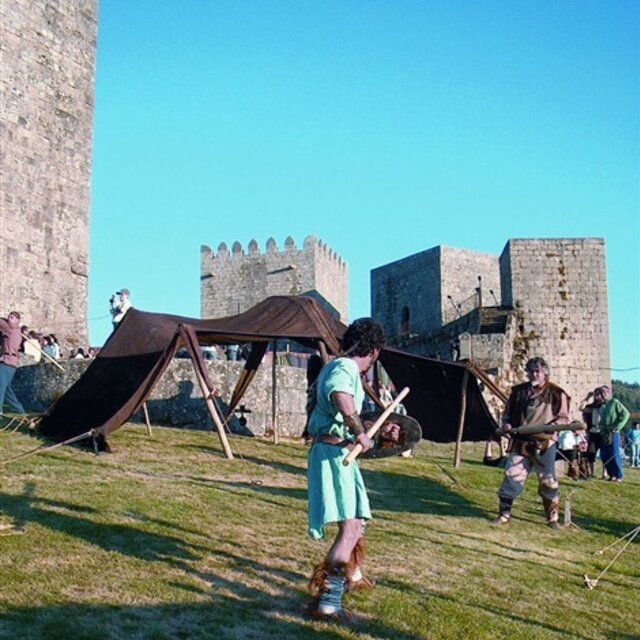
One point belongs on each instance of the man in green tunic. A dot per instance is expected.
(336, 492)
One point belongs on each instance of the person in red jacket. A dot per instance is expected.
(10, 341)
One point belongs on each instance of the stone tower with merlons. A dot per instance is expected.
(233, 281)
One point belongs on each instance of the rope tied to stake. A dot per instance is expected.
(45, 448)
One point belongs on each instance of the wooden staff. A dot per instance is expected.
(274, 409)
(44, 353)
(376, 425)
(534, 429)
(463, 410)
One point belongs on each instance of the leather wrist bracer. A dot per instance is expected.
(354, 423)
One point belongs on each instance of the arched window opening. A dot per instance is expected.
(404, 321)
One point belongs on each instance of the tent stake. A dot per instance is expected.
(206, 392)
(274, 417)
(145, 413)
(463, 410)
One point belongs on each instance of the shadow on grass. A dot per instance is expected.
(615, 528)
(283, 467)
(252, 600)
(131, 541)
(501, 610)
(488, 549)
(388, 491)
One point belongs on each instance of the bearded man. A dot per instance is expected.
(536, 402)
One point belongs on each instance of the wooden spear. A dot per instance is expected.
(376, 425)
(44, 353)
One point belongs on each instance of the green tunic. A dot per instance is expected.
(335, 492)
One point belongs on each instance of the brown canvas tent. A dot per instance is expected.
(122, 376)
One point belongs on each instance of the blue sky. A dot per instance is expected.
(382, 127)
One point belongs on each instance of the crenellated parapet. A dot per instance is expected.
(311, 244)
(232, 280)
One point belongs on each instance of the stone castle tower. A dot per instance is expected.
(421, 293)
(46, 77)
(541, 297)
(558, 288)
(232, 282)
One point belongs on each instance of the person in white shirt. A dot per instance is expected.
(119, 309)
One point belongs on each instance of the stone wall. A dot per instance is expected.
(432, 288)
(559, 289)
(459, 271)
(484, 349)
(48, 59)
(408, 287)
(549, 299)
(176, 399)
(233, 281)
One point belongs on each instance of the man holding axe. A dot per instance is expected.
(336, 491)
(536, 402)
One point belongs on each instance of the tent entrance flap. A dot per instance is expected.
(258, 349)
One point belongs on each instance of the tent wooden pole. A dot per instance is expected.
(145, 413)
(206, 392)
(463, 410)
(488, 382)
(322, 347)
(274, 417)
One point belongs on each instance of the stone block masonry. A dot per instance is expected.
(421, 293)
(47, 62)
(549, 299)
(558, 286)
(176, 399)
(233, 281)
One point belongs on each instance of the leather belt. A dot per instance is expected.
(332, 440)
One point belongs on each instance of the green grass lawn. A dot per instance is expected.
(166, 539)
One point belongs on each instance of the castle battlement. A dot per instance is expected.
(234, 280)
(310, 244)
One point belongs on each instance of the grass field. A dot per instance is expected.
(165, 539)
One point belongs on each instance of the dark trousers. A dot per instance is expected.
(611, 458)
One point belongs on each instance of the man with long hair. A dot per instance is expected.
(536, 402)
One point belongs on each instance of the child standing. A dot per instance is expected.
(634, 441)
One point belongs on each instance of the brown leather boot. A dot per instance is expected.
(551, 509)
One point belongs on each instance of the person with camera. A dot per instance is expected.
(119, 308)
